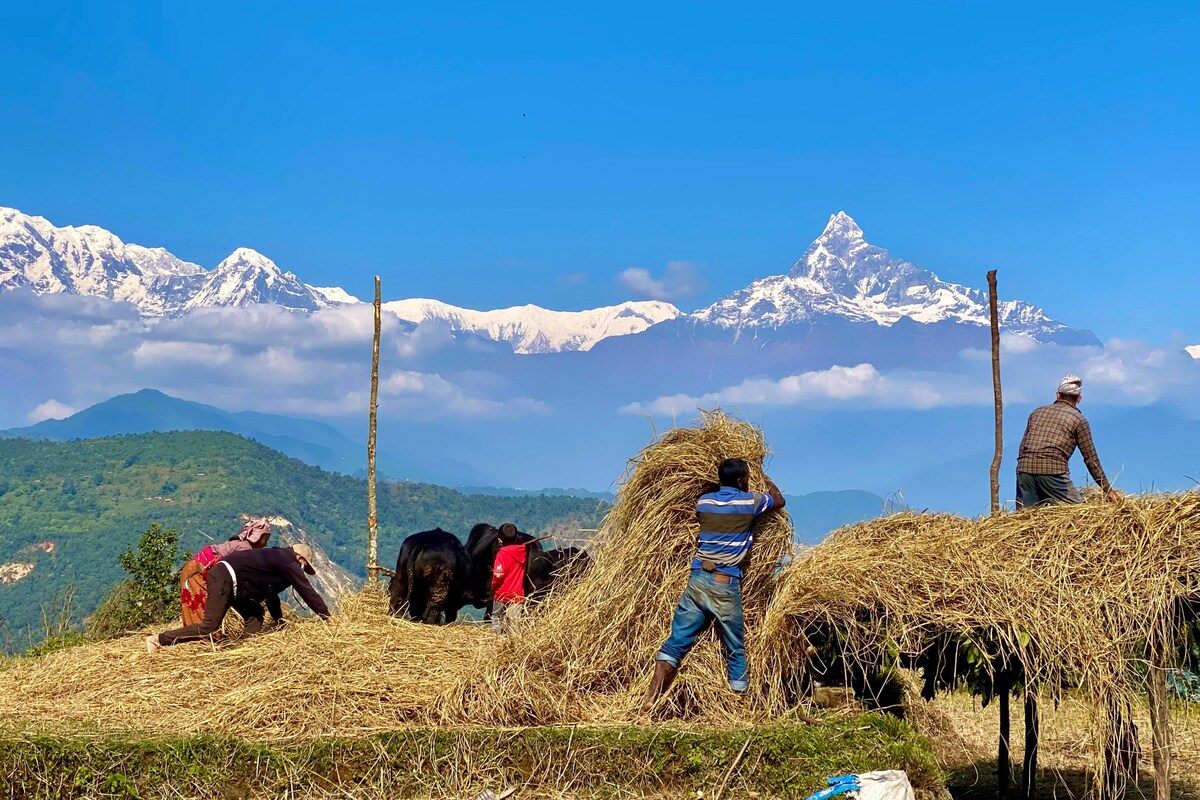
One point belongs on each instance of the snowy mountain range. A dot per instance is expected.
(533, 329)
(840, 277)
(91, 261)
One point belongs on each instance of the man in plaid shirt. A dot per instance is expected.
(1053, 433)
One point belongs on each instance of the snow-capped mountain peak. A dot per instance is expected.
(86, 260)
(247, 277)
(245, 258)
(335, 295)
(842, 275)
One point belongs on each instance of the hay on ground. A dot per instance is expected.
(584, 657)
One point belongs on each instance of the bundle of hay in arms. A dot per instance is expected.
(588, 655)
(1071, 594)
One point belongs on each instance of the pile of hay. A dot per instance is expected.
(589, 655)
(1074, 594)
(585, 657)
(361, 673)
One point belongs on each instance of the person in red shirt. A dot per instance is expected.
(508, 585)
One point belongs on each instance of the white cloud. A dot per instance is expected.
(453, 399)
(177, 354)
(1121, 372)
(680, 279)
(426, 339)
(859, 386)
(260, 358)
(51, 409)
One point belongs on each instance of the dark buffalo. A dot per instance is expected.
(545, 569)
(432, 578)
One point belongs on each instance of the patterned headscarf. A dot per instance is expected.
(255, 530)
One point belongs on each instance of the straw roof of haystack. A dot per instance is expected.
(1073, 592)
(1071, 595)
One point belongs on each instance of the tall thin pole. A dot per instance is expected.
(372, 510)
(1004, 754)
(1160, 719)
(1032, 736)
(991, 279)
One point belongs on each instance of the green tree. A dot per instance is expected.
(151, 593)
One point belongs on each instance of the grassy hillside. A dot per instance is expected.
(69, 508)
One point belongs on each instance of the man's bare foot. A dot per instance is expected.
(152, 645)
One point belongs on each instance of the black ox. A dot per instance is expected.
(436, 574)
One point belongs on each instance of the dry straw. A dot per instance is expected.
(589, 656)
(1074, 593)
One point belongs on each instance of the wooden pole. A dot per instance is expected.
(1004, 757)
(372, 510)
(1160, 721)
(1032, 734)
(995, 317)
(1004, 761)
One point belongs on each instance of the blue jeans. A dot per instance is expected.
(1034, 490)
(705, 602)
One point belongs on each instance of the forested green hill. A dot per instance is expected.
(69, 509)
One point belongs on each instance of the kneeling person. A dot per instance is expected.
(713, 594)
(243, 582)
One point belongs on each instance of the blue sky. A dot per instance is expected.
(484, 154)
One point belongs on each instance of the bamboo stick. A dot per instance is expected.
(372, 509)
(995, 318)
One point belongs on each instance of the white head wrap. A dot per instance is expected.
(1070, 385)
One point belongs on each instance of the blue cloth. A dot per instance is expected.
(837, 786)
(706, 602)
(726, 520)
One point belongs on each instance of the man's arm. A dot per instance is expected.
(778, 501)
(272, 601)
(307, 593)
(1087, 448)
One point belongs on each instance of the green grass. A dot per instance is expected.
(786, 761)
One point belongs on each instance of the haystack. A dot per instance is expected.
(1074, 595)
(589, 655)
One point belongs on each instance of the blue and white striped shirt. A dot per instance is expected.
(727, 527)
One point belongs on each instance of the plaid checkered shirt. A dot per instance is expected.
(1053, 433)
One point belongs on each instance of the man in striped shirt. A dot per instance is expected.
(714, 594)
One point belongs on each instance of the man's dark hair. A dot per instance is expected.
(733, 472)
(509, 533)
